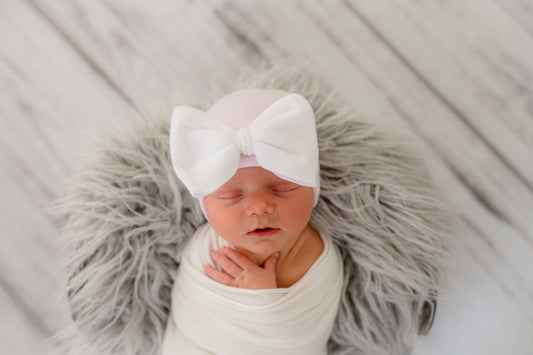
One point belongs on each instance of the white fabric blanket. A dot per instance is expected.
(208, 317)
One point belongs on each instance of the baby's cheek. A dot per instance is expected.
(305, 203)
(219, 221)
(224, 228)
(297, 217)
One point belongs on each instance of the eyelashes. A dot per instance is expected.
(233, 192)
(237, 194)
(231, 195)
(284, 189)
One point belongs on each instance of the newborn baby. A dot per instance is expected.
(258, 278)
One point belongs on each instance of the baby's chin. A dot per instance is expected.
(260, 251)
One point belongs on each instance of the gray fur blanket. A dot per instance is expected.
(127, 218)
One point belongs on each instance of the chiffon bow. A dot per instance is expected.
(206, 152)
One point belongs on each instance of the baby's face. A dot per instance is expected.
(259, 213)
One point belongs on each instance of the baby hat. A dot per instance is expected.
(272, 129)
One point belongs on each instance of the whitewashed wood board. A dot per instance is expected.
(457, 75)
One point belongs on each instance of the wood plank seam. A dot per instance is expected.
(99, 71)
(438, 94)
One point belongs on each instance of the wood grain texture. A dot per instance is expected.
(49, 104)
(481, 67)
(21, 335)
(458, 75)
(520, 11)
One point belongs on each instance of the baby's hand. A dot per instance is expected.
(240, 271)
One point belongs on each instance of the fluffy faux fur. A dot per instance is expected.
(128, 217)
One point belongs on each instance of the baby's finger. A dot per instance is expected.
(218, 276)
(270, 263)
(226, 264)
(240, 259)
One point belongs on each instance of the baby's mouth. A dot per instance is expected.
(263, 232)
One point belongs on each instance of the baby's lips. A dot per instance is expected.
(265, 231)
(261, 227)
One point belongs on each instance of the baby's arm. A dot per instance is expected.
(240, 271)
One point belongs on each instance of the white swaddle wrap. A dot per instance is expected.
(208, 317)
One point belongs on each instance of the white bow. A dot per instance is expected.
(206, 152)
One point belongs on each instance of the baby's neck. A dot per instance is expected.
(300, 258)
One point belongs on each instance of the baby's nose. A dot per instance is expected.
(259, 205)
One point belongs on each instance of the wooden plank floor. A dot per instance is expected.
(457, 74)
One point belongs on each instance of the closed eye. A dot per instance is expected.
(230, 196)
(284, 187)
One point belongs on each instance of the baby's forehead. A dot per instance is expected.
(240, 108)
